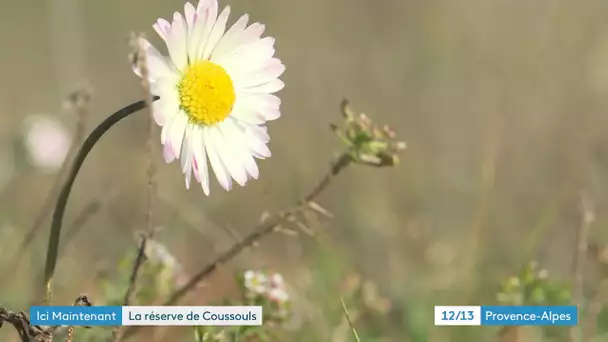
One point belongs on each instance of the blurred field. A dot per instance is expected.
(502, 103)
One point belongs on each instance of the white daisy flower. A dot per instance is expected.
(216, 93)
(256, 282)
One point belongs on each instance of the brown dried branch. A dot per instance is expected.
(259, 232)
(262, 230)
(21, 322)
(35, 333)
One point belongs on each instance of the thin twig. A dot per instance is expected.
(350, 321)
(259, 232)
(78, 102)
(139, 59)
(262, 230)
(582, 235)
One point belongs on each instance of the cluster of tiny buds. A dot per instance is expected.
(272, 287)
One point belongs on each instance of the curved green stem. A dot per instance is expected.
(62, 200)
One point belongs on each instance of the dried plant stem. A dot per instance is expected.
(21, 322)
(582, 235)
(140, 61)
(350, 321)
(259, 232)
(87, 146)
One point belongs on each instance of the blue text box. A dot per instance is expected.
(76, 315)
(529, 315)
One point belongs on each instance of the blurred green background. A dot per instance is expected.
(502, 103)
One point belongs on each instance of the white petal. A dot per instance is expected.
(187, 155)
(249, 36)
(265, 105)
(239, 146)
(271, 87)
(257, 55)
(208, 11)
(259, 132)
(242, 113)
(175, 132)
(222, 145)
(200, 158)
(216, 34)
(176, 42)
(231, 40)
(221, 173)
(261, 76)
(166, 107)
(256, 145)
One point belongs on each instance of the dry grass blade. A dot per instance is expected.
(350, 321)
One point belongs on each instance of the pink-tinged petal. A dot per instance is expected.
(187, 155)
(200, 159)
(189, 14)
(162, 28)
(195, 170)
(168, 153)
(224, 150)
(221, 173)
(216, 33)
(209, 13)
(176, 44)
(198, 22)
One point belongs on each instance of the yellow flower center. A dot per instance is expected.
(206, 93)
